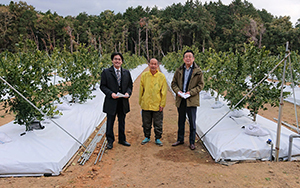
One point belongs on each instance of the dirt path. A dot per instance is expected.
(166, 166)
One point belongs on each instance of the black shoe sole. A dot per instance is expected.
(178, 144)
(124, 144)
(109, 146)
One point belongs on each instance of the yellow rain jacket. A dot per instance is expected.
(153, 91)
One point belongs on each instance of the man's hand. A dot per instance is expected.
(179, 92)
(126, 95)
(161, 109)
(114, 96)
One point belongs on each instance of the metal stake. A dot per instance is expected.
(280, 107)
(101, 151)
(246, 95)
(40, 111)
(293, 87)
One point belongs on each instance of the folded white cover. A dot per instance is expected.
(255, 130)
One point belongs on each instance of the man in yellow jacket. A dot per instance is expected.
(152, 99)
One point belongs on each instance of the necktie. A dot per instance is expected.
(119, 77)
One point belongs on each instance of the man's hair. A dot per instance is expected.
(187, 52)
(154, 59)
(116, 53)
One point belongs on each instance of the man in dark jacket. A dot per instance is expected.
(116, 84)
(187, 83)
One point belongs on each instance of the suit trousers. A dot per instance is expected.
(183, 110)
(110, 124)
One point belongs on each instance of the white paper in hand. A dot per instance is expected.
(184, 95)
(121, 95)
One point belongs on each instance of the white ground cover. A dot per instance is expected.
(47, 151)
(291, 98)
(228, 139)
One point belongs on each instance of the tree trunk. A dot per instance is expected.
(173, 43)
(262, 31)
(35, 39)
(126, 40)
(147, 45)
(153, 53)
(260, 39)
(139, 44)
(37, 43)
(203, 45)
(69, 32)
(100, 47)
(53, 38)
(71, 45)
(254, 117)
(179, 39)
(124, 46)
(49, 40)
(45, 45)
(135, 46)
(162, 52)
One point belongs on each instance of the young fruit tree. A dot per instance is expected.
(29, 73)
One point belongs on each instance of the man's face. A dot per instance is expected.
(153, 65)
(117, 61)
(188, 59)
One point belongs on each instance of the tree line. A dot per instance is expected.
(149, 32)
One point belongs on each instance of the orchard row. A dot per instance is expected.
(234, 74)
(44, 78)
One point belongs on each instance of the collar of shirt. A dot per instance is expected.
(189, 68)
(153, 74)
(116, 70)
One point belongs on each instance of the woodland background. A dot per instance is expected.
(150, 32)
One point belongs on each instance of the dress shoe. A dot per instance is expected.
(178, 143)
(124, 143)
(109, 145)
(192, 146)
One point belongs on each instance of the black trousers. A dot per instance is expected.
(183, 110)
(110, 125)
(155, 117)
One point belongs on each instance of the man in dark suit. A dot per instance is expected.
(115, 81)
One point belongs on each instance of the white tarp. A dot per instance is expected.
(291, 98)
(228, 140)
(47, 151)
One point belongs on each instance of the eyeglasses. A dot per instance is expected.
(188, 56)
(117, 59)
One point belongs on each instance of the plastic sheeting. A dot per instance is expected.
(47, 151)
(291, 98)
(228, 140)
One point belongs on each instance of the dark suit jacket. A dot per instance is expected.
(109, 85)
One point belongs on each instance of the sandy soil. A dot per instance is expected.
(150, 165)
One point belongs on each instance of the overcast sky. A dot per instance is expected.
(95, 7)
